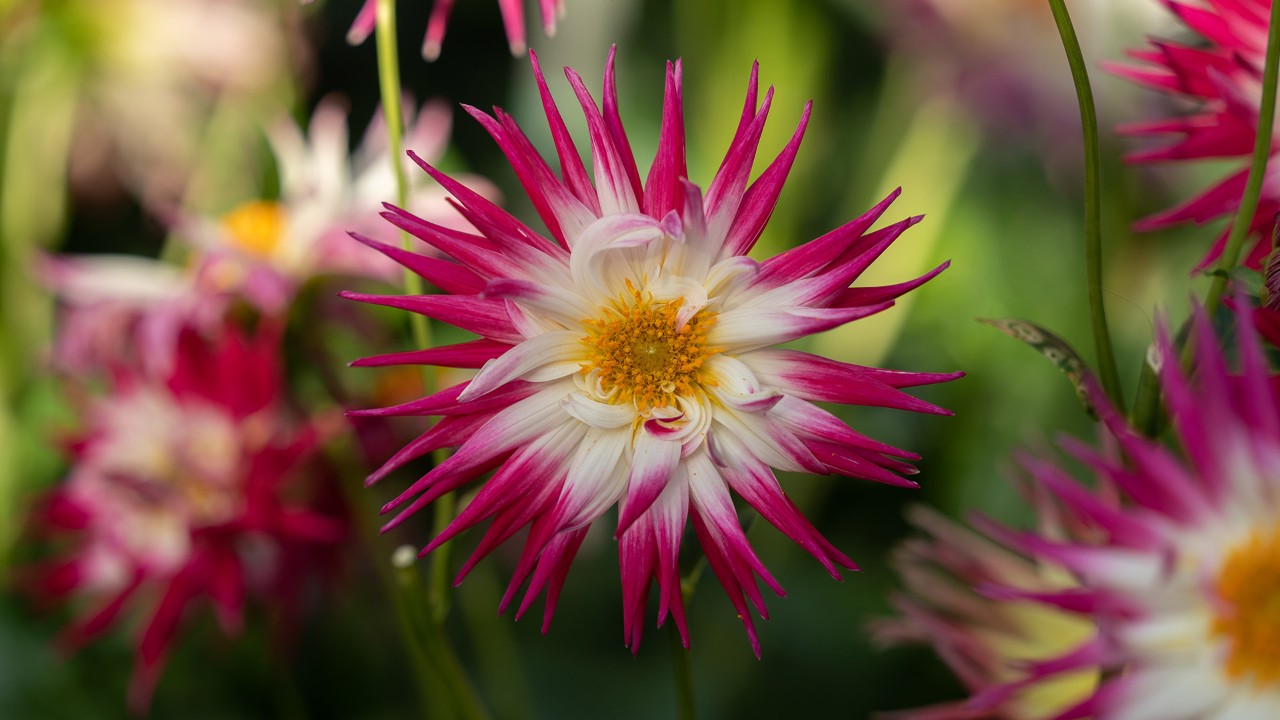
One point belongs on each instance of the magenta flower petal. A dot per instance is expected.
(513, 23)
(1222, 76)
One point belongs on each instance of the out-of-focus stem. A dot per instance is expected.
(1106, 359)
(683, 668)
(389, 82)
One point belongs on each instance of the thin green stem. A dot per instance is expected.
(683, 669)
(391, 584)
(441, 676)
(1257, 171)
(389, 83)
(1107, 371)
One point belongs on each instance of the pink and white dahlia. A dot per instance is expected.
(625, 357)
(186, 487)
(266, 249)
(1182, 575)
(1000, 644)
(1222, 75)
(438, 22)
(123, 310)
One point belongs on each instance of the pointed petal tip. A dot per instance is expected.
(431, 50)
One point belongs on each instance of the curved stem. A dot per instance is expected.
(1257, 171)
(389, 83)
(684, 676)
(1107, 371)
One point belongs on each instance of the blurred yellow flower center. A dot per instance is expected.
(256, 227)
(1249, 588)
(641, 352)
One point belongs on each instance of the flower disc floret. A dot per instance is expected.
(643, 354)
(1249, 617)
(256, 227)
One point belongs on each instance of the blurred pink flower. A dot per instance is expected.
(512, 22)
(1180, 571)
(998, 648)
(1221, 74)
(184, 487)
(123, 310)
(120, 308)
(625, 358)
(266, 249)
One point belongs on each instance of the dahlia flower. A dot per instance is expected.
(123, 310)
(438, 22)
(266, 249)
(995, 642)
(1182, 575)
(625, 358)
(185, 487)
(1222, 75)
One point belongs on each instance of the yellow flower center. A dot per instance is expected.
(640, 351)
(257, 227)
(1249, 588)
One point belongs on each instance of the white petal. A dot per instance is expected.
(549, 349)
(599, 414)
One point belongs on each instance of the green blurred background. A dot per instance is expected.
(969, 109)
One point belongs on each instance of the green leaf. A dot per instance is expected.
(1054, 349)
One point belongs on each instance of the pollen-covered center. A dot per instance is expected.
(642, 352)
(257, 227)
(1249, 618)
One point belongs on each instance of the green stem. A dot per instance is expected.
(683, 669)
(389, 82)
(1107, 371)
(392, 585)
(441, 677)
(1257, 171)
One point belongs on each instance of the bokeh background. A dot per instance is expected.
(966, 105)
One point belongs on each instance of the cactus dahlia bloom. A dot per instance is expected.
(438, 22)
(625, 358)
(1223, 76)
(1182, 578)
(182, 490)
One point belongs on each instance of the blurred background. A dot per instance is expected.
(118, 116)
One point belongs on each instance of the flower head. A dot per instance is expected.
(625, 359)
(184, 487)
(1222, 75)
(438, 22)
(265, 249)
(1181, 570)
